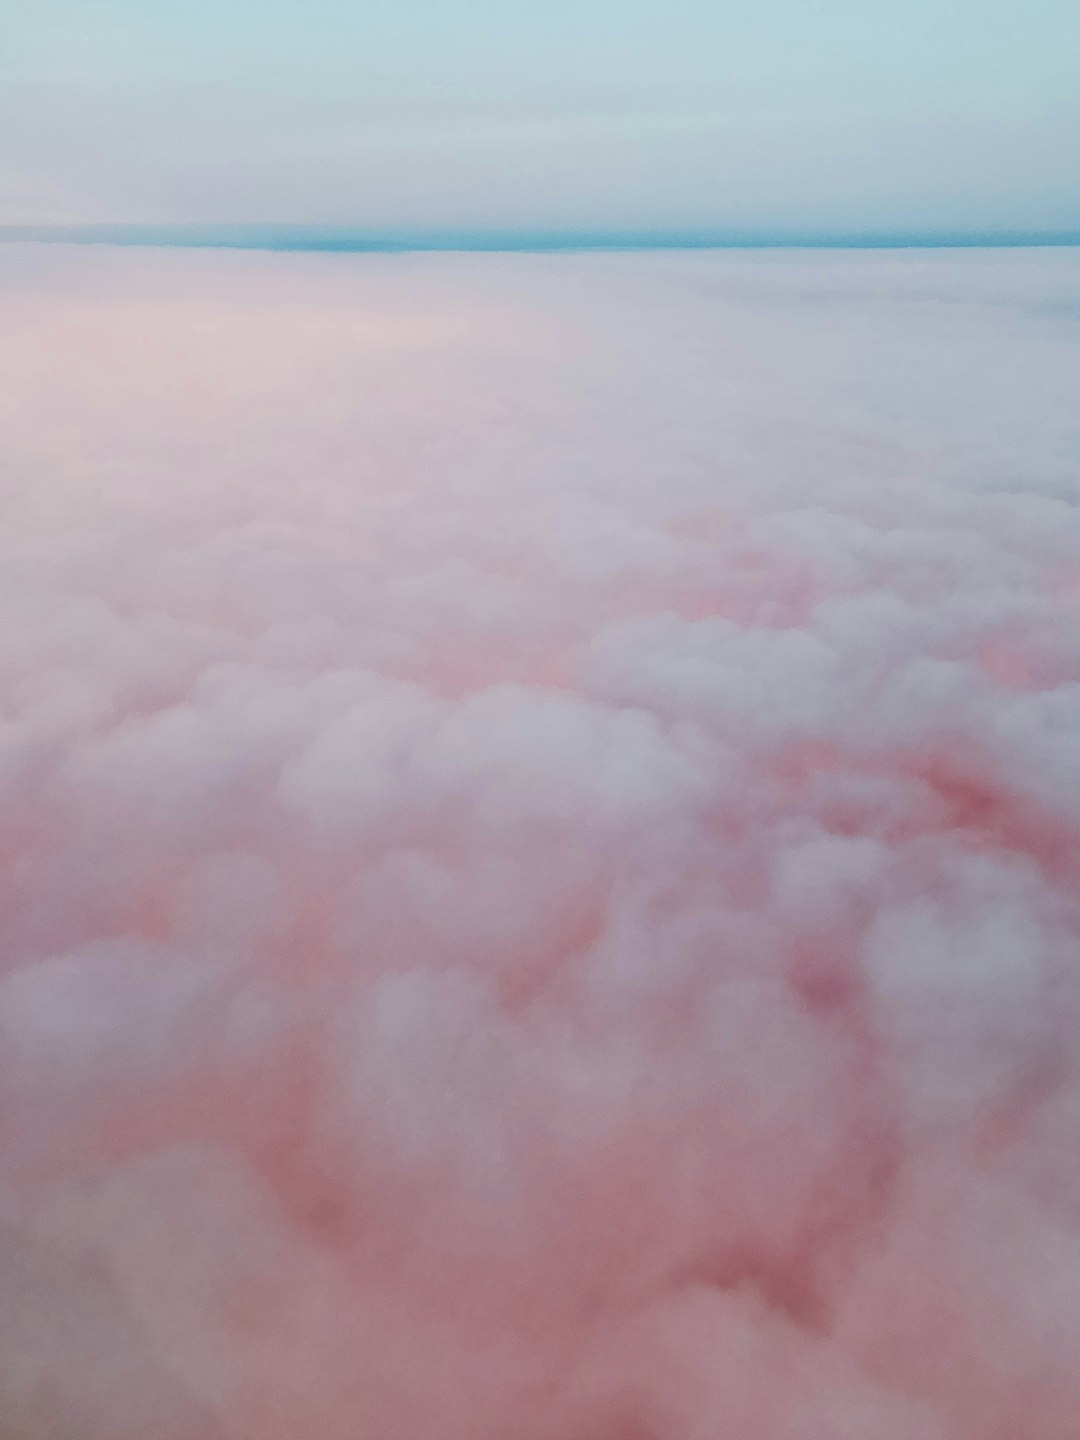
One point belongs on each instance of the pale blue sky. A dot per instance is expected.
(674, 115)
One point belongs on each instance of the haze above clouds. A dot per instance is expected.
(500, 116)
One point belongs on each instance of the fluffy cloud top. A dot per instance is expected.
(540, 814)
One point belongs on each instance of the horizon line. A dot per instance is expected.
(351, 239)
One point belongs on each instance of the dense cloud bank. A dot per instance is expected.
(540, 816)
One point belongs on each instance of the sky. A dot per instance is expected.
(665, 116)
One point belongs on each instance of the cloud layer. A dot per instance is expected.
(541, 847)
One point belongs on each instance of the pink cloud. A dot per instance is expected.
(540, 825)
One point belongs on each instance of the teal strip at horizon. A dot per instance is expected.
(349, 240)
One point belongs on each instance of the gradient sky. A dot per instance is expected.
(673, 115)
